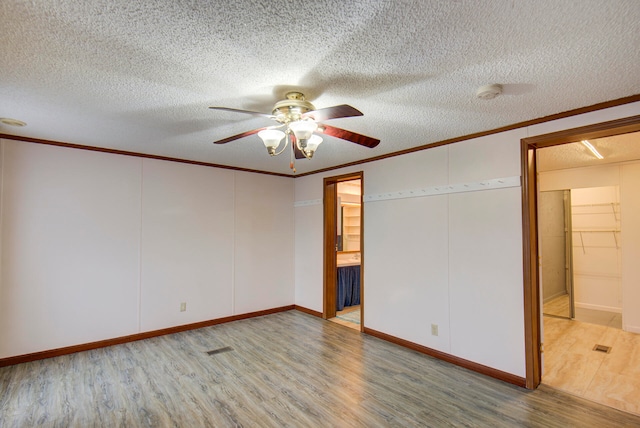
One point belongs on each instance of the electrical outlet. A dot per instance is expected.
(183, 306)
(434, 329)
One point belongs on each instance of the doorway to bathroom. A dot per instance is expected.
(343, 245)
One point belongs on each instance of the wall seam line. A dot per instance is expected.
(2, 170)
(449, 250)
(295, 261)
(140, 248)
(233, 249)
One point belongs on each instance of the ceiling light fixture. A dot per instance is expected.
(296, 128)
(298, 122)
(589, 146)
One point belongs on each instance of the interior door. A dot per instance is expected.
(555, 252)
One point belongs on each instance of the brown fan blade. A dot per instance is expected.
(298, 153)
(334, 112)
(343, 134)
(235, 110)
(236, 137)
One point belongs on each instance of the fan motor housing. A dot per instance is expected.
(292, 108)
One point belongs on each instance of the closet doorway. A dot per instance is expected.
(530, 188)
(343, 250)
(587, 347)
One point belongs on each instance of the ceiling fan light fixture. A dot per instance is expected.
(303, 129)
(271, 139)
(297, 117)
(292, 108)
(312, 145)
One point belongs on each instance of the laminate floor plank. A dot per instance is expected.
(287, 369)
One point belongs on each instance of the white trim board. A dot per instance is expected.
(496, 183)
(307, 203)
(598, 307)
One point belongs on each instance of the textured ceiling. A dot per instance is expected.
(140, 75)
(619, 148)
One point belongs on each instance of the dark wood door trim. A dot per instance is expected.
(532, 318)
(532, 332)
(329, 252)
(329, 244)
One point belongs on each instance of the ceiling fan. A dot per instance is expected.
(299, 119)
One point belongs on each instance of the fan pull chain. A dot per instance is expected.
(292, 162)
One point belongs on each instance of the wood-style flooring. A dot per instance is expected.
(287, 369)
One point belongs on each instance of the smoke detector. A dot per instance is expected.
(488, 92)
(12, 122)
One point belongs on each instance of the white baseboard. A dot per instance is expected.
(598, 307)
(631, 328)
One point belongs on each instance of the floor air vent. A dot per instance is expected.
(220, 350)
(602, 348)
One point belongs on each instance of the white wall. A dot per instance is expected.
(630, 225)
(308, 228)
(596, 249)
(405, 249)
(187, 244)
(449, 259)
(77, 225)
(96, 246)
(59, 286)
(485, 266)
(428, 260)
(264, 242)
